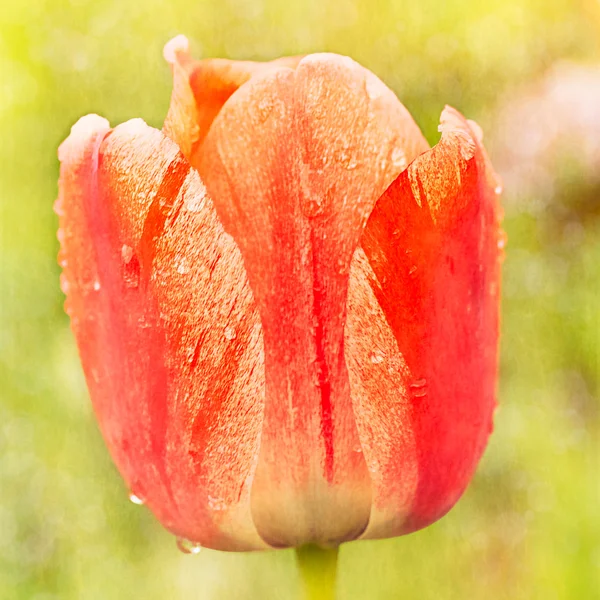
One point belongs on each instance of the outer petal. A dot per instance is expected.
(295, 161)
(166, 326)
(201, 87)
(422, 331)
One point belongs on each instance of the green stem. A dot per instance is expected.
(318, 567)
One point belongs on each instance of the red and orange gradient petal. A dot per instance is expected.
(167, 330)
(422, 331)
(312, 151)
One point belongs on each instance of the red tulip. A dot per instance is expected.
(286, 304)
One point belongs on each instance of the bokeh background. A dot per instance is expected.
(529, 72)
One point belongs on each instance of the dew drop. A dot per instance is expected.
(126, 253)
(377, 358)
(64, 284)
(498, 189)
(181, 266)
(136, 499)
(58, 207)
(96, 285)
(398, 158)
(62, 259)
(194, 203)
(419, 388)
(502, 240)
(351, 164)
(215, 503)
(265, 108)
(229, 333)
(347, 160)
(188, 547)
(374, 88)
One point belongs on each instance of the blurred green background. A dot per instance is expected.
(529, 72)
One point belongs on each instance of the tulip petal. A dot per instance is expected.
(423, 306)
(295, 161)
(201, 87)
(167, 328)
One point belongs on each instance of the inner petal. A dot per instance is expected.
(295, 161)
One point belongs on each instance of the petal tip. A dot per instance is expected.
(84, 129)
(454, 124)
(179, 44)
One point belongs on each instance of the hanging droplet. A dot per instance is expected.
(502, 240)
(136, 499)
(188, 547)
(62, 258)
(58, 207)
(64, 283)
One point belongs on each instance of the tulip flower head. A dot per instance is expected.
(285, 302)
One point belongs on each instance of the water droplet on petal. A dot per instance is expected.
(181, 264)
(194, 203)
(136, 499)
(265, 108)
(419, 388)
(126, 253)
(377, 358)
(229, 333)
(374, 87)
(398, 158)
(62, 259)
(502, 240)
(58, 207)
(498, 189)
(215, 503)
(96, 285)
(347, 159)
(64, 284)
(188, 547)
